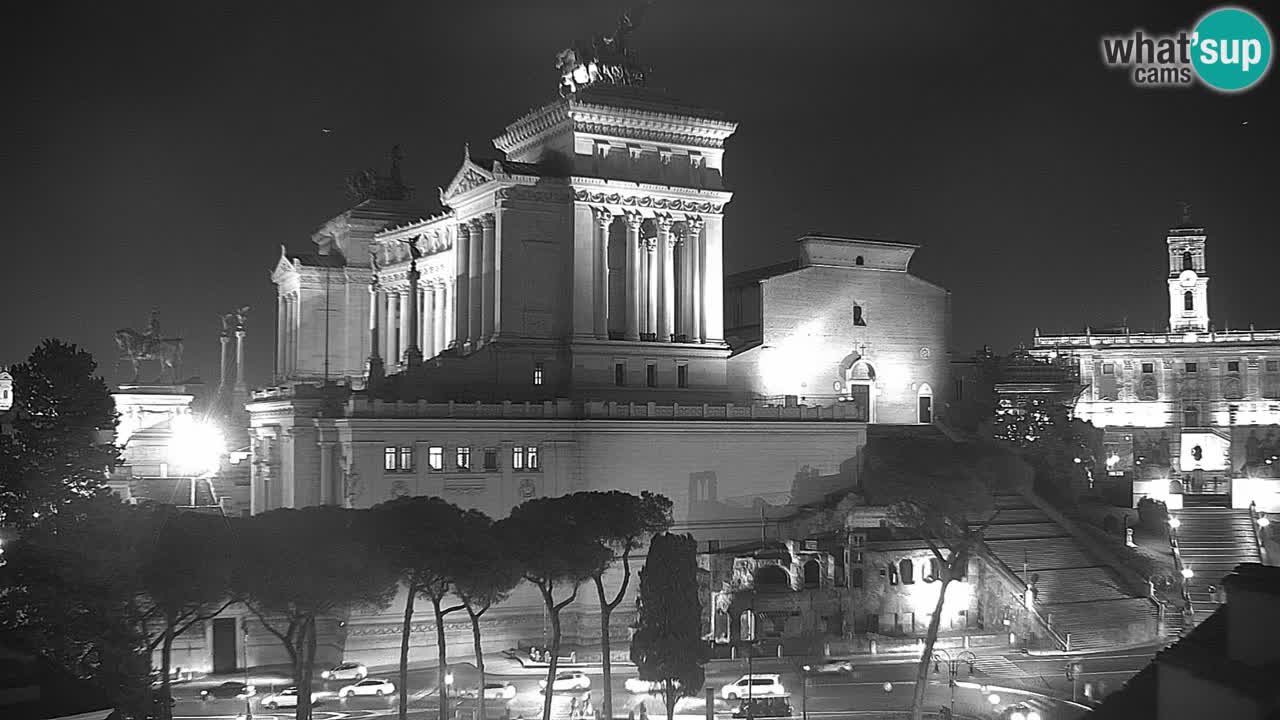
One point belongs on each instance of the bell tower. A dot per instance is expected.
(1188, 278)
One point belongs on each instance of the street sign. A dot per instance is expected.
(6, 391)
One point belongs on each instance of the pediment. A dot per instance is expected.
(469, 177)
(284, 267)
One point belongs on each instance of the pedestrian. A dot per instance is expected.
(644, 712)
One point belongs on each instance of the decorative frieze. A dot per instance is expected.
(647, 201)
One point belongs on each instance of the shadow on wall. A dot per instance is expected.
(807, 486)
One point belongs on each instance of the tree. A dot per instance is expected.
(668, 646)
(70, 593)
(421, 538)
(485, 573)
(554, 548)
(621, 522)
(185, 572)
(60, 445)
(942, 492)
(301, 565)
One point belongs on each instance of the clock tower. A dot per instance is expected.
(1188, 280)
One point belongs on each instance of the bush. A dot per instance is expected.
(1152, 514)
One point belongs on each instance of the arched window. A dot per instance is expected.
(812, 574)
(1188, 301)
(906, 571)
(1188, 263)
(857, 260)
(935, 570)
(857, 316)
(924, 403)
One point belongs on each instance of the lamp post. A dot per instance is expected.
(953, 668)
(448, 687)
(244, 661)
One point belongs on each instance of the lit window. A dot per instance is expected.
(490, 459)
(517, 458)
(389, 459)
(1108, 368)
(406, 459)
(537, 373)
(464, 458)
(906, 572)
(1188, 301)
(1148, 367)
(435, 457)
(1187, 262)
(651, 375)
(857, 316)
(1233, 366)
(682, 376)
(1192, 367)
(620, 374)
(531, 457)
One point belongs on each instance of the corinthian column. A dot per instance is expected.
(438, 317)
(488, 277)
(651, 286)
(666, 268)
(462, 283)
(375, 369)
(633, 275)
(240, 384)
(282, 322)
(693, 293)
(475, 285)
(603, 219)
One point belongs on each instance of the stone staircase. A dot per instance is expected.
(1213, 539)
(1075, 591)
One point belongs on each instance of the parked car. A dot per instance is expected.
(493, 691)
(570, 680)
(768, 707)
(639, 687)
(228, 689)
(346, 671)
(286, 698)
(830, 667)
(753, 686)
(370, 686)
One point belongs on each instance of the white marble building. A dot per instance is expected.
(1193, 408)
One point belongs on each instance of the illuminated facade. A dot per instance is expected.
(1191, 409)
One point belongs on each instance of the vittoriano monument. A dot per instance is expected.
(137, 347)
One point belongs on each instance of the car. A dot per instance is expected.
(636, 686)
(369, 686)
(830, 667)
(346, 671)
(493, 691)
(228, 689)
(570, 680)
(286, 698)
(753, 686)
(767, 707)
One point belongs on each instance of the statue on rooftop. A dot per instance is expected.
(607, 59)
(136, 347)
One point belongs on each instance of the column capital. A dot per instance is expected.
(489, 220)
(650, 243)
(604, 218)
(693, 224)
(464, 228)
(664, 222)
(634, 219)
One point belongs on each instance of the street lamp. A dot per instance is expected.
(195, 449)
(953, 668)
(1263, 521)
(1175, 523)
(244, 660)
(1187, 574)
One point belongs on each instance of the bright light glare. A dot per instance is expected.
(196, 447)
(1017, 715)
(1263, 521)
(1186, 573)
(1033, 715)
(1113, 460)
(994, 699)
(1175, 523)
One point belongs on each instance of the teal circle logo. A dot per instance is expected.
(1231, 49)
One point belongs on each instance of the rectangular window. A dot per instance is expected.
(389, 459)
(1108, 368)
(1148, 368)
(490, 459)
(537, 373)
(517, 458)
(464, 458)
(406, 459)
(1233, 366)
(651, 375)
(435, 457)
(620, 374)
(682, 376)
(1192, 367)
(531, 457)
(1273, 365)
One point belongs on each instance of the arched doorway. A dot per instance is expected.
(924, 404)
(772, 578)
(812, 574)
(858, 381)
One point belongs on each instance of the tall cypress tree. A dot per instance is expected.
(668, 646)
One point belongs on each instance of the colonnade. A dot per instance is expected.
(287, 308)
(390, 312)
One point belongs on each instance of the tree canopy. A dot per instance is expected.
(668, 646)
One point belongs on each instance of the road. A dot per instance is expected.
(821, 697)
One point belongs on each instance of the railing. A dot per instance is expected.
(1189, 610)
(1011, 576)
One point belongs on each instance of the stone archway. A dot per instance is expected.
(858, 384)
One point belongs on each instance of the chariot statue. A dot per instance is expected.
(137, 347)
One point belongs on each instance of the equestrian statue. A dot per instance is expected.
(136, 347)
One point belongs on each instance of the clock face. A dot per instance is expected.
(1187, 278)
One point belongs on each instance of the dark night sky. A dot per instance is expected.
(159, 154)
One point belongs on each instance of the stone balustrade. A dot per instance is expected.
(563, 409)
